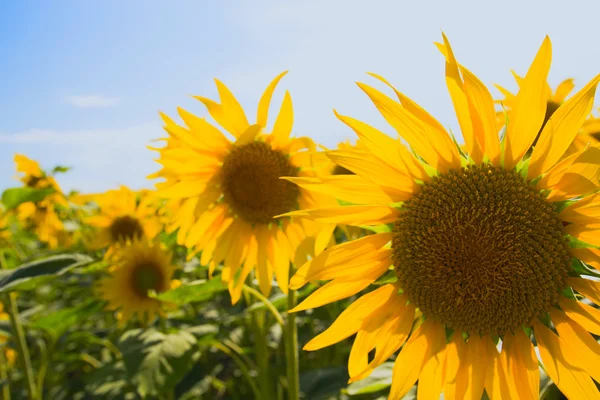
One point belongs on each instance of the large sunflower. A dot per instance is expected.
(489, 250)
(226, 193)
(123, 215)
(137, 269)
(41, 216)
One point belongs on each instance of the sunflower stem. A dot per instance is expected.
(291, 340)
(242, 365)
(266, 302)
(19, 334)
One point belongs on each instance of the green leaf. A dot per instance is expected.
(29, 276)
(155, 361)
(380, 378)
(388, 277)
(378, 229)
(14, 197)
(60, 169)
(323, 383)
(200, 290)
(58, 322)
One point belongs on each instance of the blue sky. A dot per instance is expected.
(82, 81)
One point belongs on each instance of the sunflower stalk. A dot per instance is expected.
(291, 340)
(19, 334)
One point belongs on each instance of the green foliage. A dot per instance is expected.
(60, 169)
(14, 197)
(58, 322)
(155, 361)
(196, 291)
(29, 276)
(380, 378)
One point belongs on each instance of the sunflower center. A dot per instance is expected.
(480, 250)
(147, 277)
(125, 228)
(251, 184)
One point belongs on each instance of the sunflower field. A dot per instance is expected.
(262, 265)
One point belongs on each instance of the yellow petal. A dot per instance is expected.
(588, 288)
(561, 129)
(409, 127)
(588, 255)
(555, 174)
(482, 112)
(349, 215)
(263, 267)
(284, 122)
(385, 334)
(584, 315)
(427, 340)
(249, 135)
(279, 257)
(474, 141)
(350, 320)
(339, 289)
(350, 188)
(265, 101)
(583, 347)
(571, 380)
(521, 366)
(395, 185)
(589, 233)
(440, 139)
(202, 134)
(563, 90)
(431, 379)
(333, 260)
(379, 144)
(529, 110)
(229, 114)
(497, 381)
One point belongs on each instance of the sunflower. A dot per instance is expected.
(590, 131)
(135, 271)
(123, 215)
(41, 216)
(489, 250)
(553, 99)
(226, 193)
(9, 354)
(4, 228)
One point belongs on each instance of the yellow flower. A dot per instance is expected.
(590, 132)
(4, 231)
(227, 193)
(482, 246)
(32, 175)
(41, 216)
(136, 269)
(122, 217)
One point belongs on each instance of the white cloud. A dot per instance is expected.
(92, 101)
(100, 158)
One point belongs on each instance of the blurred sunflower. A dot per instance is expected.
(41, 216)
(123, 215)
(9, 353)
(590, 131)
(553, 99)
(482, 246)
(137, 269)
(4, 231)
(225, 194)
